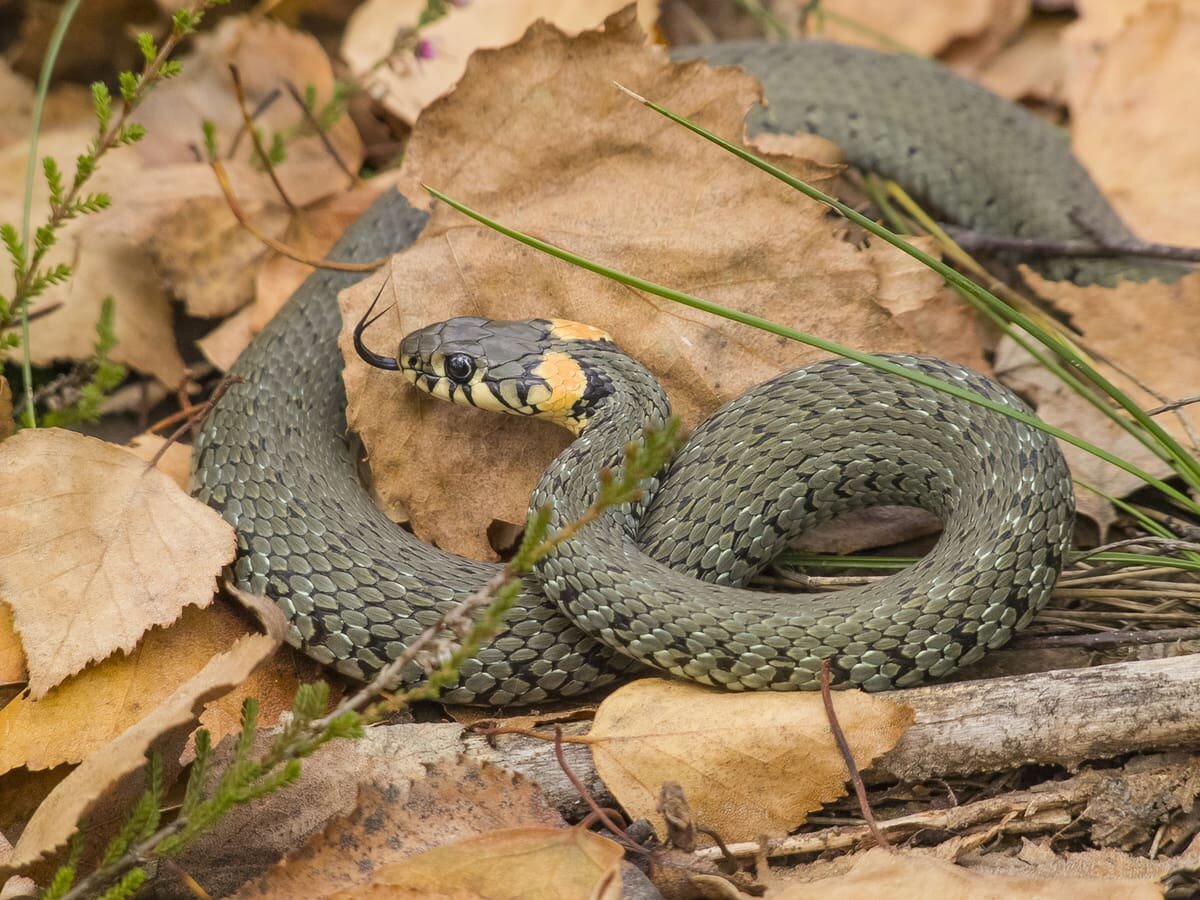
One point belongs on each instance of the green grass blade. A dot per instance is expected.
(35, 125)
(828, 346)
(1184, 462)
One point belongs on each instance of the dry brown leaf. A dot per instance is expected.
(12, 657)
(911, 876)
(923, 26)
(225, 343)
(135, 551)
(170, 232)
(104, 263)
(660, 204)
(310, 234)
(749, 764)
(456, 799)
(208, 258)
(167, 724)
(379, 50)
(1147, 328)
(91, 708)
(1033, 67)
(1133, 113)
(537, 863)
(269, 56)
(176, 460)
(921, 303)
(223, 860)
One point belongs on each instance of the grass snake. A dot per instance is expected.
(660, 586)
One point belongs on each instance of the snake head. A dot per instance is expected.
(524, 368)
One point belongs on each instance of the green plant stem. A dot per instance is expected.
(892, 563)
(103, 142)
(828, 346)
(1185, 464)
(35, 126)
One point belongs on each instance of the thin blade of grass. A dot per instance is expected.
(35, 126)
(1186, 465)
(828, 346)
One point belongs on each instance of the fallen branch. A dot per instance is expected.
(1098, 246)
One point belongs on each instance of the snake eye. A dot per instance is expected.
(460, 367)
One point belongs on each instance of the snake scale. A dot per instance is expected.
(660, 586)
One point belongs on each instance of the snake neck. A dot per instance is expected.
(626, 400)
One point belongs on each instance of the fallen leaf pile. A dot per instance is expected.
(117, 637)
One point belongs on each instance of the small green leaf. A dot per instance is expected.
(8, 234)
(85, 165)
(43, 238)
(276, 152)
(53, 180)
(57, 274)
(128, 83)
(91, 203)
(184, 21)
(170, 69)
(131, 133)
(209, 127)
(101, 104)
(195, 786)
(145, 42)
(129, 884)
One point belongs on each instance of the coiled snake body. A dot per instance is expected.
(658, 586)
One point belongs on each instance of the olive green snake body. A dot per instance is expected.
(659, 585)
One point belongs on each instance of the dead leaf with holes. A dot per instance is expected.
(546, 863)
(107, 770)
(457, 799)
(652, 200)
(914, 876)
(136, 550)
(749, 764)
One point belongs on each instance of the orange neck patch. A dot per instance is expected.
(566, 330)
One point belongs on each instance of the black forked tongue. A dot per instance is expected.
(373, 359)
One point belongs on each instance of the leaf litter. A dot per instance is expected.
(666, 206)
(870, 297)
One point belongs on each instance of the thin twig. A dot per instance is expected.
(1106, 639)
(256, 138)
(597, 810)
(839, 738)
(195, 413)
(263, 105)
(321, 133)
(1099, 246)
(278, 246)
(1173, 405)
